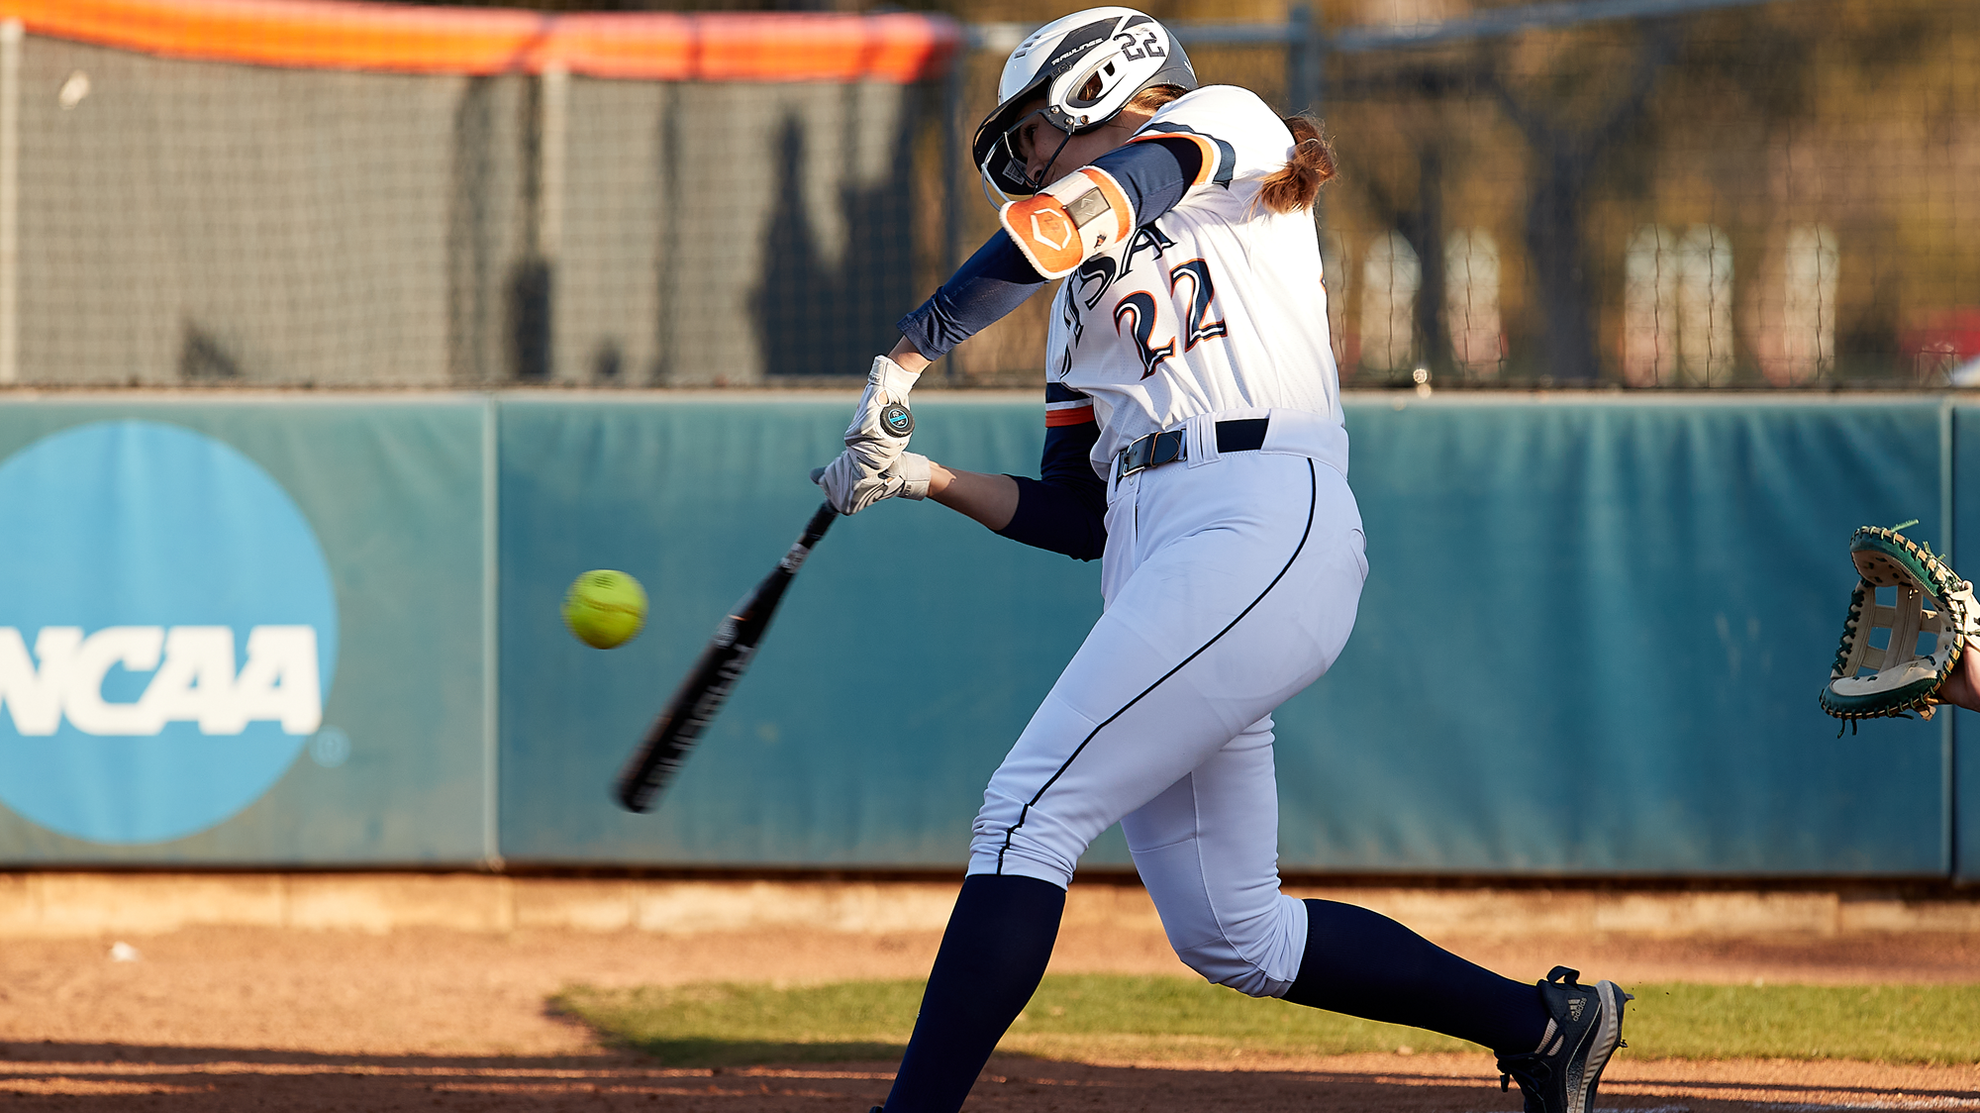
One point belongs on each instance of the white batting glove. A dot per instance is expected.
(851, 488)
(878, 437)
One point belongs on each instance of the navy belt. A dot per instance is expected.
(1170, 445)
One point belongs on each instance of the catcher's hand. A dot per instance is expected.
(1868, 681)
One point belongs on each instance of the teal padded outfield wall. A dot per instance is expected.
(399, 768)
(908, 652)
(1589, 645)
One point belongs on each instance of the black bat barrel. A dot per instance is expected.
(708, 684)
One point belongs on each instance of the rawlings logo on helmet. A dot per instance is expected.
(1076, 72)
(1078, 42)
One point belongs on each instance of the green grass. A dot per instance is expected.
(1114, 1018)
(1880, 1023)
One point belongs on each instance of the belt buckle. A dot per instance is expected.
(1134, 457)
(1149, 451)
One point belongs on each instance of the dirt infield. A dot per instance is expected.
(243, 1018)
(175, 1079)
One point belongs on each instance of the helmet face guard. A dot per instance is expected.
(1003, 166)
(1083, 68)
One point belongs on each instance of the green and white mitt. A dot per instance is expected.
(1896, 678)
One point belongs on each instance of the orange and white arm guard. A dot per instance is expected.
(1070, 221)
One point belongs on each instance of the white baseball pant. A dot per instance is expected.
(1231, 583)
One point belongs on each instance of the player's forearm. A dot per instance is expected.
(990, 499)
(909, 359)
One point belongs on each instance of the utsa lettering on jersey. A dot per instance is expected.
(1195, 446)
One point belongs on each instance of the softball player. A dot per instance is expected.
(1194, 444)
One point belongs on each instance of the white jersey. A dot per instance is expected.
(1218, 305)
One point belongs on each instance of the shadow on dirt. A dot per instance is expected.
(143, 1079)
(751, 1053)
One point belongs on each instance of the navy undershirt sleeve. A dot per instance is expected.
(984, 290)
(1065, 509)
(998, 279)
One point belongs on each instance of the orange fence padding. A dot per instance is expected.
(665, 46)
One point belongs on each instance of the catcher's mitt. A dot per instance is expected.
(1868, 681)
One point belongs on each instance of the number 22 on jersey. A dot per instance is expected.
(1136, 316)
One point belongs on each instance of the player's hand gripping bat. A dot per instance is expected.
(708, 684)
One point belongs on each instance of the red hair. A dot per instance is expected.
(1293, 186)
(1312, 164)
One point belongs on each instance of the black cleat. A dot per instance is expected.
(1584, 1029)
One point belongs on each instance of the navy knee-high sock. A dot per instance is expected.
(994, 952)
(1364, 964)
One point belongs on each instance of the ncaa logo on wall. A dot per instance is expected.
(168, 632)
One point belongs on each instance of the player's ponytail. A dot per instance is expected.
(1299, 181)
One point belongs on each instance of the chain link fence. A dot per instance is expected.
(1621, 193)
(212, 222)
(1774, 195)
(1627, 193)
